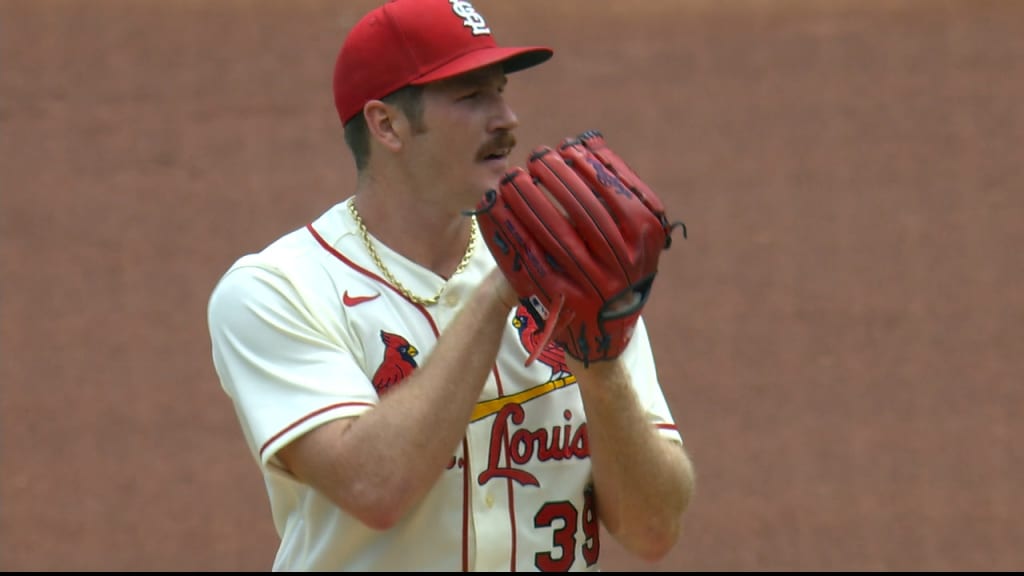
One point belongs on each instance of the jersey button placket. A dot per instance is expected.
(492, 521)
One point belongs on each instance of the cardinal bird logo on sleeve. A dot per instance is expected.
(399, 361)
(552, 355)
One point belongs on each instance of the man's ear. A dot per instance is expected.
(386, 124)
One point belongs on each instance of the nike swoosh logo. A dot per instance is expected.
(356, 300)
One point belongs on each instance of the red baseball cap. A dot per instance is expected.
(404, 42)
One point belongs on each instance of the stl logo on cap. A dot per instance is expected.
(470, 17)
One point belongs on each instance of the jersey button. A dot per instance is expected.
(489, 500)
(451, 299)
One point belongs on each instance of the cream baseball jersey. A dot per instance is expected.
(306, 331)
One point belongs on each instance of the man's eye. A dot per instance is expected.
(470, 95)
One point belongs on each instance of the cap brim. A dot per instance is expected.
(511, 59)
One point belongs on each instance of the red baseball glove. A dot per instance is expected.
(578, 235)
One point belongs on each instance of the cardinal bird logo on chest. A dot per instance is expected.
(399, 361)
(553, 356)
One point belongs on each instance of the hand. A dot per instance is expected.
(500, 289)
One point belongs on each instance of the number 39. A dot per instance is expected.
(564, 537)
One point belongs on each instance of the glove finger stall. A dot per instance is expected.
(607, 255)
(560, 246)
(640, 226)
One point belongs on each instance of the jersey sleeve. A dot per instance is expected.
(639, 360)
(285, 373)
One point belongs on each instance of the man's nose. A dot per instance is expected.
(505, 118)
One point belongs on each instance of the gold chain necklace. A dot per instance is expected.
(390, 277)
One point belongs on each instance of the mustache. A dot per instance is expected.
(500, 141)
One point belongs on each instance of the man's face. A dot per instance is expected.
(467, 133)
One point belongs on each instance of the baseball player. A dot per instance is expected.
(409, 405)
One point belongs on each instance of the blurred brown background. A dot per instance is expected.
(840, 338)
